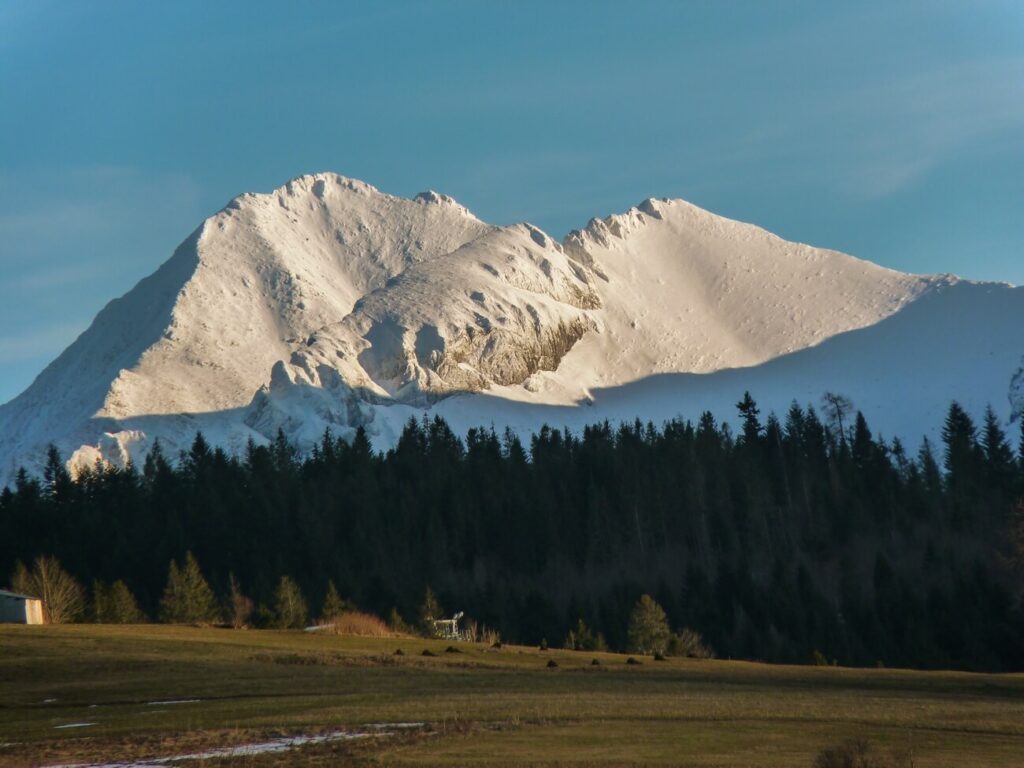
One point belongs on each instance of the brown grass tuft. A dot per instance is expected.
(360, 624)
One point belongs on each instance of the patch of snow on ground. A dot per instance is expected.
(270, 746)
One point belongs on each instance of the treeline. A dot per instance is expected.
(790, 540)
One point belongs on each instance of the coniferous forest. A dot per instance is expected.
(785, 540)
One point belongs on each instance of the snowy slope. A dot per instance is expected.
(270, 270)
(327, 303)
(959, 341)
(201, 334)
(691, 291)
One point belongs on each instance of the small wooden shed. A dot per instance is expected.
(20, 609)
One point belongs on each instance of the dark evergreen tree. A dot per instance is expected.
(56, 478)
(187, 597)
(334, 606)
(793, 538)
(960, 436)
(115, 604)
(749, 413)
(1000, 469)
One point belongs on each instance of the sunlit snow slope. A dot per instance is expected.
(328, 304)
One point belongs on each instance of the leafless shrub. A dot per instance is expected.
(687, 642)
(63, 597)
(491, 637)
(240, 607)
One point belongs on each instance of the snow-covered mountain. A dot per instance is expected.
(329, 304)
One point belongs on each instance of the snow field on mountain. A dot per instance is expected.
(329, 304)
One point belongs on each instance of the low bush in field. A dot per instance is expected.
(358, 623)
(859, 753)
(690, 644)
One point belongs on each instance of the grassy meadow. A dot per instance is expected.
(131, 692)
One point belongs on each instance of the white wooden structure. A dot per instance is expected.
(448, 629)
(20, 609)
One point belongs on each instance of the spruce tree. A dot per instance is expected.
(115, 604)
(156, 464)
(863, 448)
(202, 603)
(929, 467)
(748, 414)
(398, 624)
(187, 597)
(124, 609)
(1020, 444)
(999, 459)
(1020, 459)
(708, 511)
(56, 479)
(429, 611)
(333, 606)
(960, 436)
(173, 604)
(1017, 541)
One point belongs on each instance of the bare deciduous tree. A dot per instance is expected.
(63, 597)
(290, 611)
(837, 407)
(241, 607)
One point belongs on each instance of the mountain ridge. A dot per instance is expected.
(327, 303)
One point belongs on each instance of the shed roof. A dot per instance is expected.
(16, 595)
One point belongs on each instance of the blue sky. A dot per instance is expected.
(893, 131)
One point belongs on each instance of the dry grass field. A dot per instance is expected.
(86, 694)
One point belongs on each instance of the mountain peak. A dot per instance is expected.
(327, 303)
(435, 198)
(430, 197)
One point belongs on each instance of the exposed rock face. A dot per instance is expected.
(494, 311)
